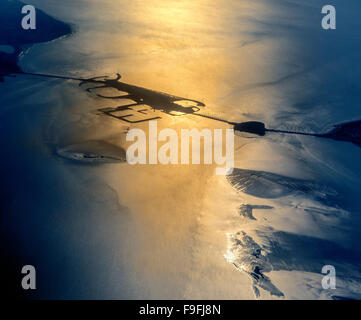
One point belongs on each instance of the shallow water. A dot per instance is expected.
(120, 231)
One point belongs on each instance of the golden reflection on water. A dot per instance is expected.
(203, 50)
(196, 49)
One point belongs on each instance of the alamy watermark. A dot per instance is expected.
(29, 280)
(329, 280)
(168, 153)
(29, 20)
(329, 20)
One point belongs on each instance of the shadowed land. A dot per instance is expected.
(13, 35)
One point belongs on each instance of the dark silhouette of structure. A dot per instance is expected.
(350, 131)
(156, 100)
